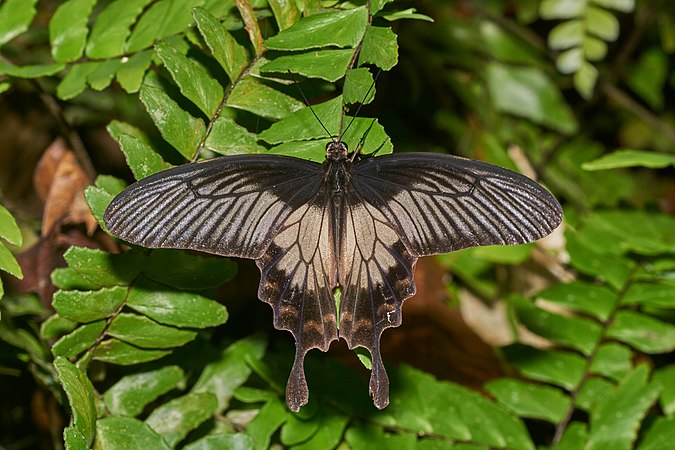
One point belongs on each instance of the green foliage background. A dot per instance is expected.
(140, 354)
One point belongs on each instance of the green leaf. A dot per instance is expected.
(332, 425)
(101, 77)
(177, 126)
(527, 92)
(329, 65)
(112, 28)
(145, 333)
(613, 269)
(68, 29)
(410, 13)
(164, 18)
(131, 72)
(625, 6)
(271, 416)
(663, 377)
(192, 80)
(643, 332)
(232, 57)
(612, 361)
(660, 435)
(557, 367)
(530, 400)
(74, 439)
(79, 340)
(175, 419)
(227, 137)
(574, 438)
(181, 309)
(56, 326)
(238, 441)
(31, 71)
(648, 77)
(337, 28)
(286, 12)
(591, 392)
(260, 99)
(631, 158)
(585, 79)
(88, 306)
(616, 419)
(302, 124)
(222, 376)
(75, 81)
(189, 271)
(358, 87)
(561, 9)
(575, 332)
(369, 436)
(8, 263)
(118, 352)
(80, 395)
(15, 18)
(103, 269)
(379, 48)
(602, 24)
(566, 35)
(297, 430)
(651, 295)
(130, 395)
(126, 432)
(141, 158)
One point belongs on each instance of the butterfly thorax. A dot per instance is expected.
(336, 150)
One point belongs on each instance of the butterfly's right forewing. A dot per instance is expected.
(226, 206)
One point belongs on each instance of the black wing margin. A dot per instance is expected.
(442, 203)
(229, 206)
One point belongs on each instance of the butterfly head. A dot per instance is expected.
(336, 150)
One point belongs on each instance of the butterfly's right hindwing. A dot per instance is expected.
(226, 206)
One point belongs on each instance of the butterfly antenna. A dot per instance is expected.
(358, 109)
(304, 99)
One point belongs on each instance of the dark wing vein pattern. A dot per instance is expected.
(298, 275)
(442, 203)
(226, 206)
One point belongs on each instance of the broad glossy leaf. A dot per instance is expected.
(170, 307)
(112, 28)
(126, 432)
(192, 80)
(615, 420)
(80, 395)
(15, 18)
(130, 395)
(176, 418)
(232, 57)
(79, 340)
(118, 352)
(338, 29)
(68, 29)
(177, 126)
(145, 333)
(530, 400)
(88, 306)
(329, 64)
(379, 48)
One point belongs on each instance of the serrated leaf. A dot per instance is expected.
(8, 263)
(631, 158)
(222, 376)
(329, 64)
(379, 48)
(563, 369)
(88, 306)
(103, 269)
(56, 326)
(145, 333)
(15, 18)
(176, 418)
(170, 307)
(643, 332)
(130, 395)
(131, 72)
(80, 395)
(189, 271)
(612, 360)
(286, 12)
(592, 392)
(112, 27)
(126, 432)
(337, 28)
(227, 137)
(251, 95)
(616, 419)
(651, 295)
(79, 340)
(231, 56)
(114, 351)
(613, 269)
(192, 80)
(164, 18)
(68, 29)
(302, 125)
(141, 158)
(527, 92)
(236, 441)
(358, 87)
(177, 126)
(660, 435)
(664, 377)
(530, 400)
(574, 437)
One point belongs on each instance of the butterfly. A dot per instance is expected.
(355, 223)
